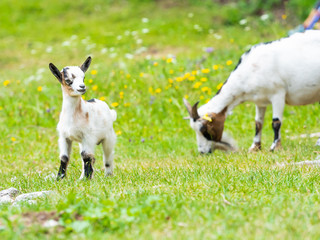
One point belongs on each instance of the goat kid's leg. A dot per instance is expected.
(88, 160)
(65, 149)
(277, 113)
(256, 145)
(108, 146)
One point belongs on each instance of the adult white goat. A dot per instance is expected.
(88, 122)
(286, 71)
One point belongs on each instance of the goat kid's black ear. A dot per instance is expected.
(84, 67)
(55, 71)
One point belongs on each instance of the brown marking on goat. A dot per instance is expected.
(216, 126)
(258, 127)
(87, 116)
(65, 87)
(256, 147)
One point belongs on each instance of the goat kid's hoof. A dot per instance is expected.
(276, 146)
(255, 147)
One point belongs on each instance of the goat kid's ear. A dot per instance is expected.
(84, 67)
(193, 111)
(55, 71)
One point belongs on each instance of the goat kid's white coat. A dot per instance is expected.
(88, 122)
(285, 71)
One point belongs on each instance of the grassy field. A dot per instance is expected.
(147, 56)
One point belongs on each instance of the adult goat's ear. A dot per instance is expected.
(55, 71)
(84, 67)
(193, 111)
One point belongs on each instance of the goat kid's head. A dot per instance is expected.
(208, 128)
(72, 78)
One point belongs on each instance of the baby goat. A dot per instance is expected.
(286, 71)
(88, 122)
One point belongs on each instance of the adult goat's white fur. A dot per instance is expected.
(286, 71)
(88, 122)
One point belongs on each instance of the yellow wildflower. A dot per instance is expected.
(118, 132)
(39, 89)
(170, 100)
(94, 88)
(186, 96)
(169, 60)
(194, 72)
(179, 79)
(231, 40)
(141, 74)
(197, 84)
(284, 16)
(171, 71)
(205, 70)
(83, 97)
(215, 67)
(170, 80)
(121, 95)
(125, 86)
(13, 139)
(203, 79)
(155, 64)
(229, 62)
(127, 104)
(192, 78)
(158, 90)
(1, 108)
(151, 90)
(219, 86)
(205, 89)
(128, 76)
(201, 97)
(6, 83)
(114, 104)
(94, 72)
(90, 80)
(102, 98)
(207, 100)
(186, 75)
(176, 87)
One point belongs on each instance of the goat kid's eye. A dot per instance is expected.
(69, 82)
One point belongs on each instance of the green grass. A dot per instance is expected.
(162, 187)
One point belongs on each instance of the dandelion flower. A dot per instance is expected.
(94, 72)
(207, 100)
(127, 104)
(94, 88)
(155, 64)
(151, 90)
(205, 70)
(125, 86)
(169, 60)
(205, 89)
(192, 78)
(90, 80)
(186, 96)
(13, 139)
(170, 80)
(1, 108)
(6, 83)
(219, 86)
(215, 67)
(128, 76)
(203, 79)
(158, 90)
(229, 62)
(186, 75)
(284, 16)
(121, 95)
(118, 132)
(194, 72)
(39, 89)
(141, 74)
(171, 71)
(231, 40)
(83, 97)
(179, 79)
(102, 98)
(201, 97)
(197, 84)
(114, 104)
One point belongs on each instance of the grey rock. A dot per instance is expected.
(5, 199)
(51, 223)
(11, 192)
(33, 195)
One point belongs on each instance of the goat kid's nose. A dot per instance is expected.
(82, 86)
